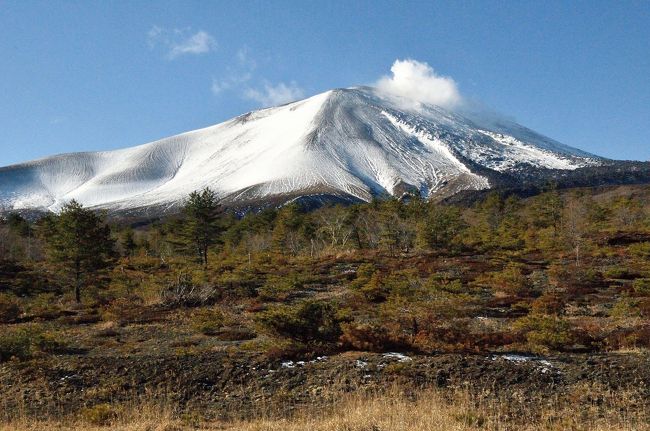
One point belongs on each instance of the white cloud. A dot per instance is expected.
(245, 60)
(416, 82)
(240, 72)
(273, 95)
(234, 80)
(179, 42)
(199, 43)
(154, 36)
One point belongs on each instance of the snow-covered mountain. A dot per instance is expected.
(352, 143)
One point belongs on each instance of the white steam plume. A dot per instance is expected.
(415, 82)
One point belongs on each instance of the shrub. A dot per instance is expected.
(458, 335)
(285, 349)
(16, 344)
(99, 415)
(548, 303)
(624, 338)
(375, 290)
(279, 288)
(10, 310)
(125, 311)
(644, 306)
(240, 283)
(364, 272)
(183, 292)
(625, 307)
(510, 280)
(364, 336)
(25, 342)
(235, 333)
(44, 306)
(545, 333)
(641, 286)
(618, 273)
(404, 284)
(308, 321)
(398, 368)
(641, 250)
(442, 284)
(51, 342)
(207, 322)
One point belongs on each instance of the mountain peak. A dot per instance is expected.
(354, 143)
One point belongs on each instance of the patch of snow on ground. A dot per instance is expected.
(400, 357)
(361, 364)
(292, 364)
(543, 365)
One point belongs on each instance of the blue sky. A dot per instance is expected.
(91, 75)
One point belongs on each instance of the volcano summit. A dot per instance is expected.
(352, 144)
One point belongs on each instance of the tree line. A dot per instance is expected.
(80, 244)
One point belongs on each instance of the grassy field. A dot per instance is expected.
(585, 408)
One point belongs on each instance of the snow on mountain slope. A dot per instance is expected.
(351, 142)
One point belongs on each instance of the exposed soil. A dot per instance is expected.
(225, 385)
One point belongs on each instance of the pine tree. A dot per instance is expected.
(439, 227)
(286, 229)
(128, 242)
(79, 242)
(201, 227)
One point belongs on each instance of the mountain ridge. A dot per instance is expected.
(354, 143)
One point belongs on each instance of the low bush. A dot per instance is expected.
(438, 284)
(375, 289)
(625, 307)
(16, 344)
(641, 286)
(183, 292)
(207, 321)
(548, 303)
(44, 306)
(510, 281)
(403, 284)
(618, 273)
(25, 342)
(544, 333)
(279, 288)
(364, 272)
(126, 311)
(365, 336)
(285, 349)
(240, 283)
(10, 309)
(307, 321)
(458, 336)
(641, 250)
(629, 338)
(99, 415)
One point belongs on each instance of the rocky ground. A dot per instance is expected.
(227, 385)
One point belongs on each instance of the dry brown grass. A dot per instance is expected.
(583, 408)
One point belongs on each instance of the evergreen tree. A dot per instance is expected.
(201, 227)
(511, 229)
(18, 224)
(286, 229)
(546, 210)
(352, 220)
(128, 242)
(440, 227)
(80, 242)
